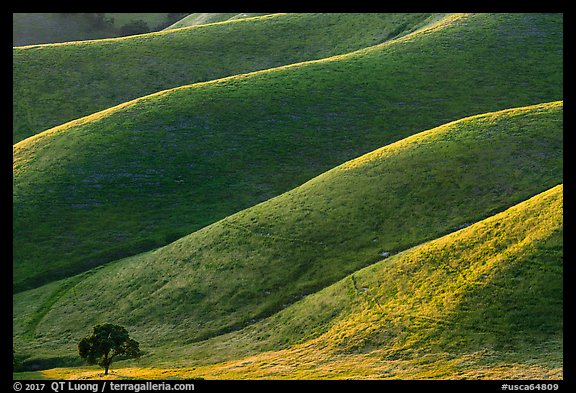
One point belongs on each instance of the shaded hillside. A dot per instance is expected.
(145, 173)
(259, 261)
(45, 28)
(54, 84)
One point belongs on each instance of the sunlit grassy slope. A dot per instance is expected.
(57, 83)
(258, 261)
(203, 18)
(481, 302)
(145, 173)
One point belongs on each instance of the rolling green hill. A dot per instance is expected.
(147, 172)
(57, 83)
(484, 302)
(257, 262)
(206, 17)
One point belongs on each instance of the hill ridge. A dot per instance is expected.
(262, 135)
(131, 37)
(389, 212)
(255, 365)
(183, 23)
(82, 120)
(324, 337)
(258, 275)
(273, 48)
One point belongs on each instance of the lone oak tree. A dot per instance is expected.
(105, 343)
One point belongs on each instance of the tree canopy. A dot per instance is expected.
(106, 342)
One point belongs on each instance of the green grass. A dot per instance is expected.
(491, 292)
(57, 83)
(143, 174)
(206, 17)
(255, 263)
(229, 226)
(484, 302)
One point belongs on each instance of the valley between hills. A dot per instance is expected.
(294, 196)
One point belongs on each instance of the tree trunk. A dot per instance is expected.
(106, 362)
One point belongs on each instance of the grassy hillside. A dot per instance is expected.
(155, 21)
(258, 261)
(57, 83)
(469, 305)
(44, 28)
(482, 302)
(206, 17)
(145, 173)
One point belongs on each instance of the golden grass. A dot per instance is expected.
(419, 319)
(429, 135)
(295, 364)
